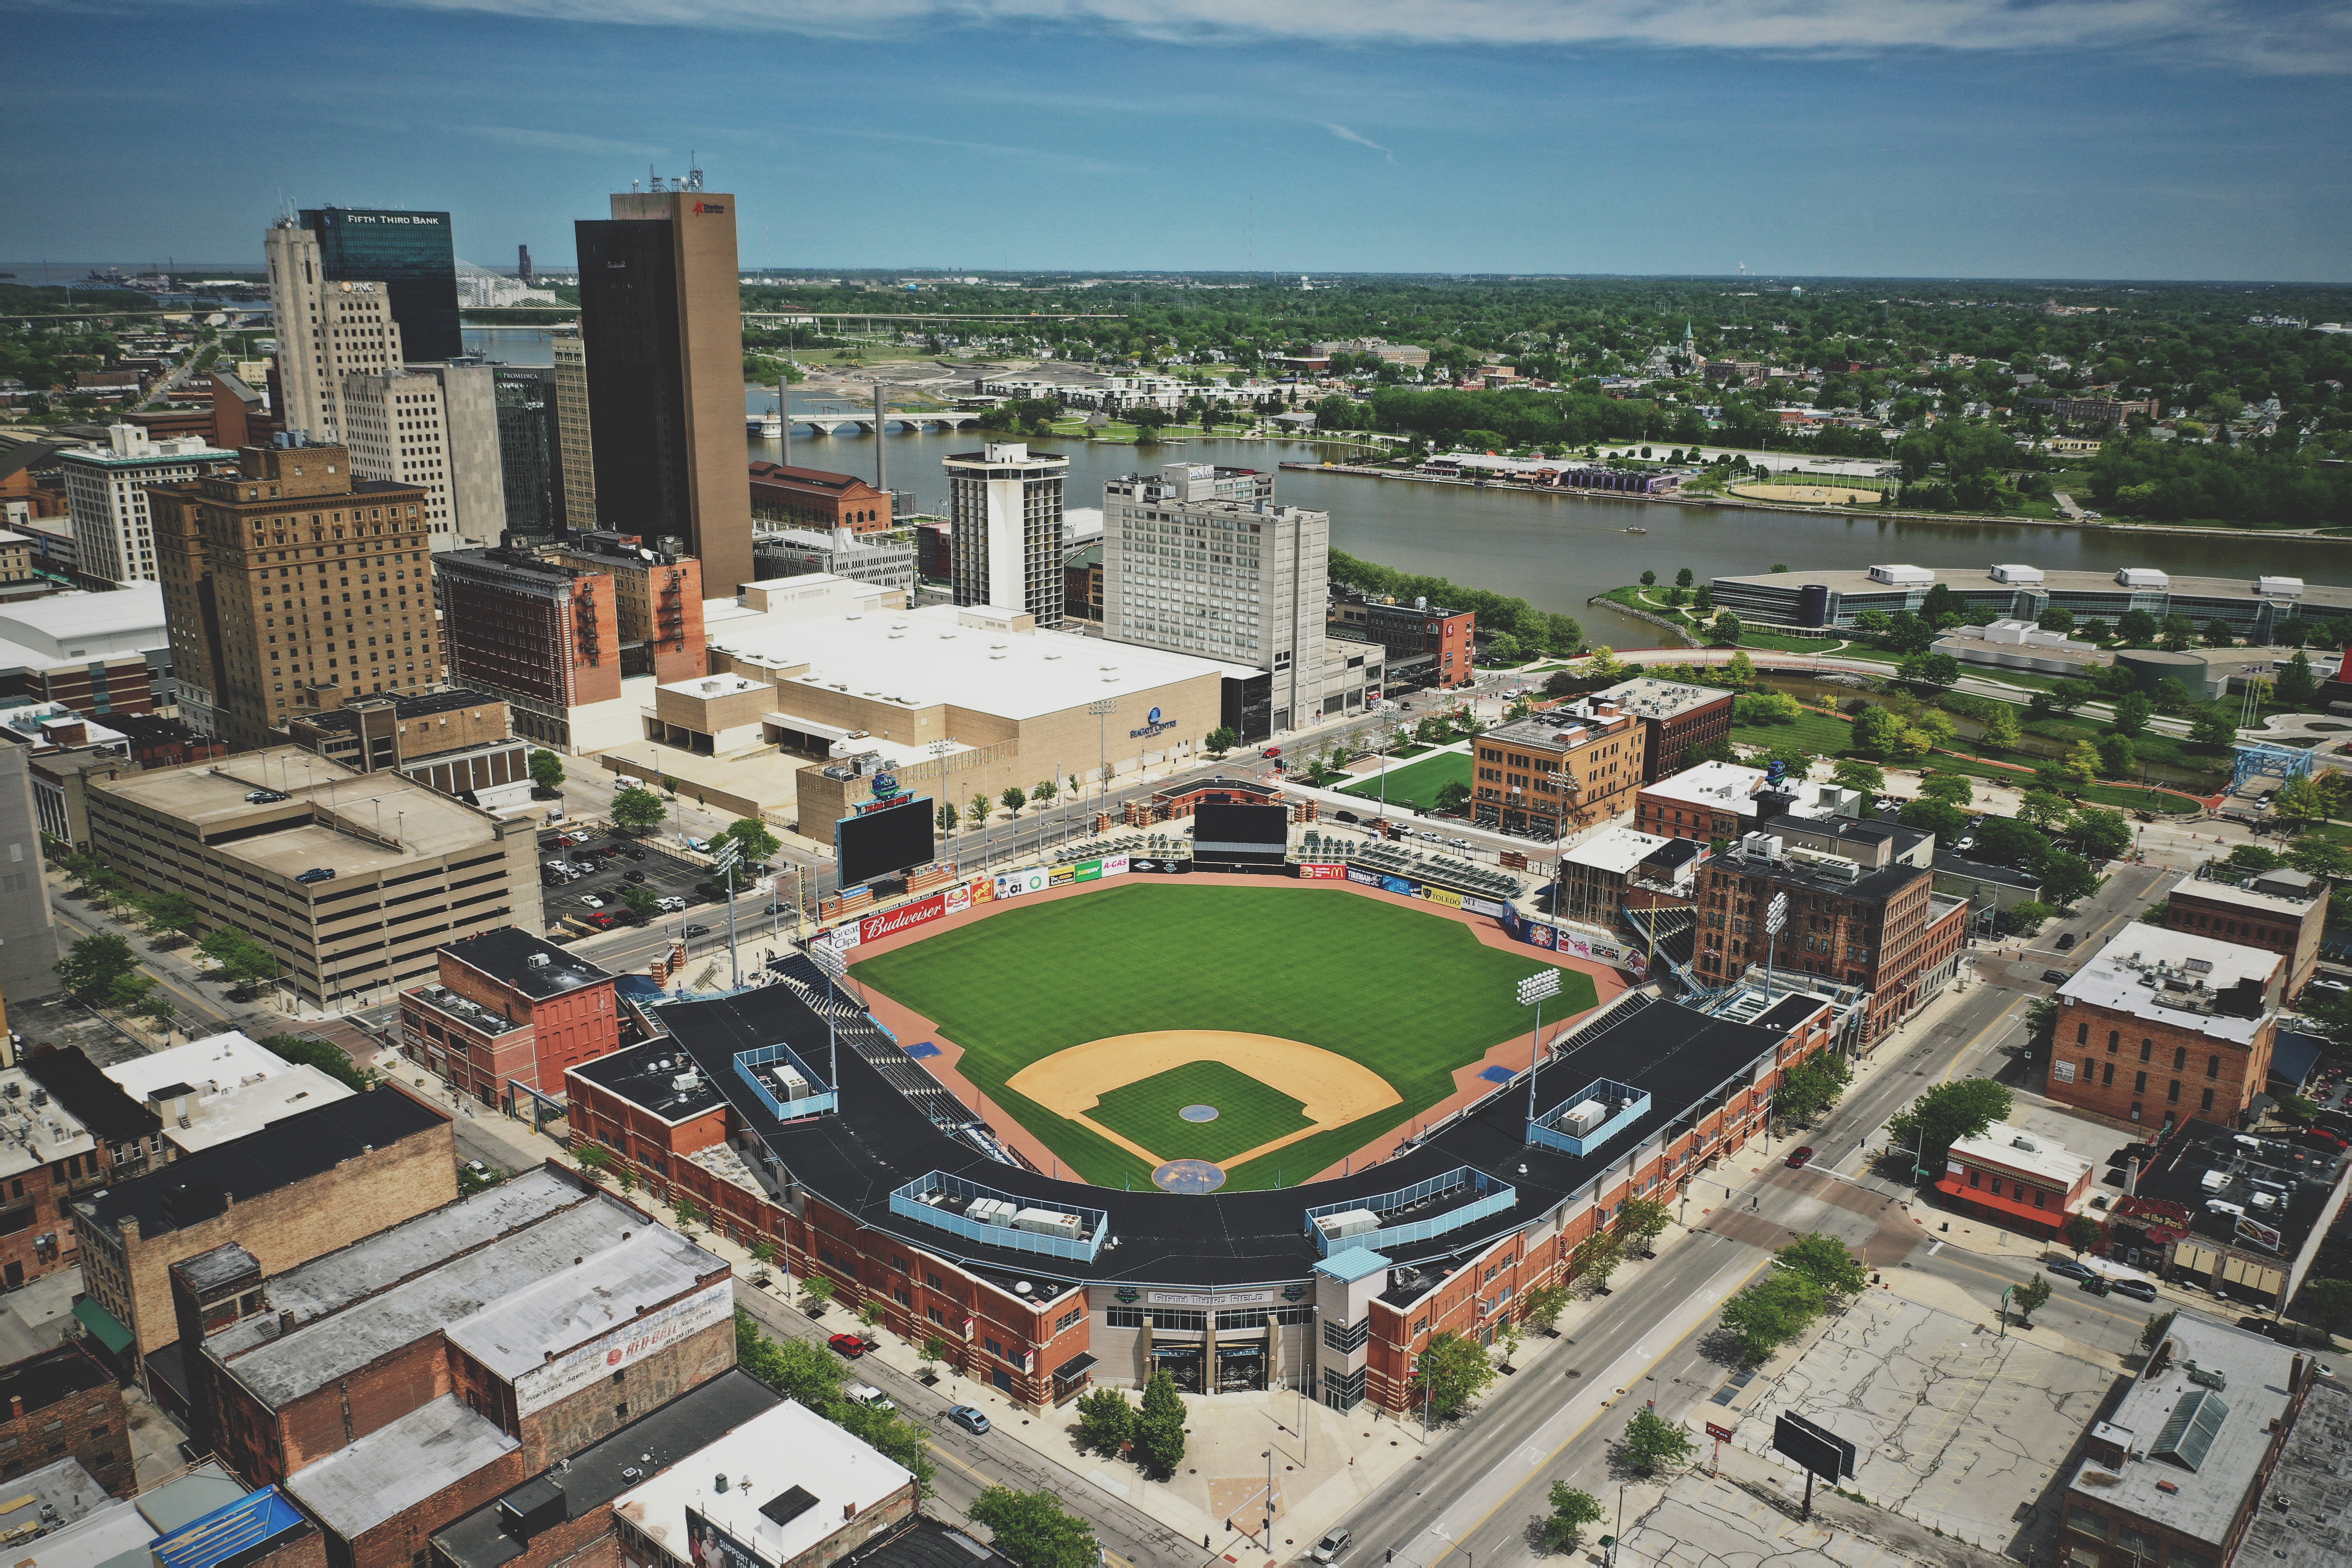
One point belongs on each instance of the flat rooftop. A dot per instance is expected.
(593, 1477)
(1972, 582)
(34, 1135)
(2306, 1520)
(658, 1076)
(2019, 1149)
(532, 966)
(544, 1289)
(1721, 786)
(2204, 1444)
(2179, 978)
(1615, 848)
(2216, 1176)
(934, 657)
(2243, 898)
(393, 1468)
(290, 836)
(792, 1478)
(237, 1086)
(1647, 696)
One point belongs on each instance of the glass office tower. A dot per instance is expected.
(412, 252)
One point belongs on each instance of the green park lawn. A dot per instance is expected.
(1417, 785)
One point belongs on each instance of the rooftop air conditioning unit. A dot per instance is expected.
(2143, 577)
(541, 959)
(2018, 576)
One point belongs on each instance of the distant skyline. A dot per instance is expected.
(2044, 139)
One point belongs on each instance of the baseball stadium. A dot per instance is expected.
(1267, 1127)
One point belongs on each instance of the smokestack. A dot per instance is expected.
(2131, 1177)
(881, 458)
(784, 412)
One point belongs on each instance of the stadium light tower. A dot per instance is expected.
(1102, 709)
(1534, 991)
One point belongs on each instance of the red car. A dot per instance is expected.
(601, 920)
(1801, 1158)
(1271, 751)
(849, 1345)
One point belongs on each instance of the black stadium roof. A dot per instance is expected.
(880, 1141)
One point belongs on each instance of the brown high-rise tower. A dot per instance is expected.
(662, 321)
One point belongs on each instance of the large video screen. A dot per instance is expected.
(883, 841)
(1224, 831)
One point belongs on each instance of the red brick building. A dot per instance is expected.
(1705, 801)
(81, 1133)
(1857, 914)
(815, 498)
(407, 1379)
(2018, 1179)
(1677, 720)
(63, 1404)
(511, 1011)
(1447, 637)
(2284, 912)
(2164, 1026)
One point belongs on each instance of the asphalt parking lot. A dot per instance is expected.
(665, 873)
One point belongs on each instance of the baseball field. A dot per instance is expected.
(1270, 1031)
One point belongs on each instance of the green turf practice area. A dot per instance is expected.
(1248, 1112)
(1409, 995)
(1417, 787)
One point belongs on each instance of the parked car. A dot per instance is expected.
(2054, 977)
(603, 919)
(630, 851)
(552, 841)
(698, 930)
(1801, 1158)
(777, 909)
(2067, 1268)
(265, 796)
(635, 876)
(1347, 816)
(590, 901)
(318, 874)
(868, 1395)
(971, 1420)
(2138, 1289)
(671, 905)
(1327, 1550)
(849, 1345)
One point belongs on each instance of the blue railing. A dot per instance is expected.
(1630, 1104)
(783, 1110)
(1094, 1224)
(1489, 1196)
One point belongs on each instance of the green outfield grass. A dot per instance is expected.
(1248, 1112)
(1418, 784)
(1411, 995)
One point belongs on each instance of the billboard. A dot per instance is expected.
(923, 911)
(883, 841)
(537, 1387)
(711, 1547)
(1813, 1447)
(1249, 835)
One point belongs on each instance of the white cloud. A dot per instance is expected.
(1344, 134)
(562, 142)
(2285, 36)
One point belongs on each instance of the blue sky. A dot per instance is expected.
(1939, 138)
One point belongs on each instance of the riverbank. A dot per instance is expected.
(1896, 514)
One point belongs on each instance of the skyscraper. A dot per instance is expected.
(661, 320)
(577, 446)
(530, 447)
(1004, 511)
(327, 331)
(410, 252)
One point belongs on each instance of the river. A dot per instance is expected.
(1554, 550)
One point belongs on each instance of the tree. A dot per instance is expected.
(752, 837)
(2179, 631)
(1451, 1371)
(2116, 758)
(1034, 1529)
(1106, 1420)
(1014, 797)
(1926, 1128)
(324, 1055)
(1544, 1304)
(174, 912)
(2215, 725)
(1644, 1220)
(2100, 834)
(2171, 696)
(2065, 696)
(237, 957)
(2219, 633)
(642, 903)
(1811, 1087)
(96, 965)
(1772, 1311)
(1650, 1442)
(2056, 618)
(1160, 1426)
(1952, 788)
(978, 810)
(1683, 578)
(818, 1289)
(2043, 808)
(546, 769)
(2024, 918)
(1727, 631)
(2299, 801)
(935, 1351)
(1741, 670)
(801, 1370)
(1878, 732)
(1934, 672)
(947, 816)
(1649, 579)
(636, 809)
(2081, 764)
(685, 1213)
(2297, 688)
(1948, 823)
(2004, 841)
(1596, 1258)
(2066, 877)
(1044, 790)
(2152, 1332)
(2083, 1233)
(2002, 732)
(1856, 775)
(2132, 710)
(1571, 1510)
(1504, 648)
(2136, 627)
(1220, 741)
(1907, 633)
(1453, 796)
(1826, 1261)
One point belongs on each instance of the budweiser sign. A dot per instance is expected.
(873, 928)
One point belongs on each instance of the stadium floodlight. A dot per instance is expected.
(1534, 991)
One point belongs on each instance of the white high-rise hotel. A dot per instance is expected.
(1200, 560)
